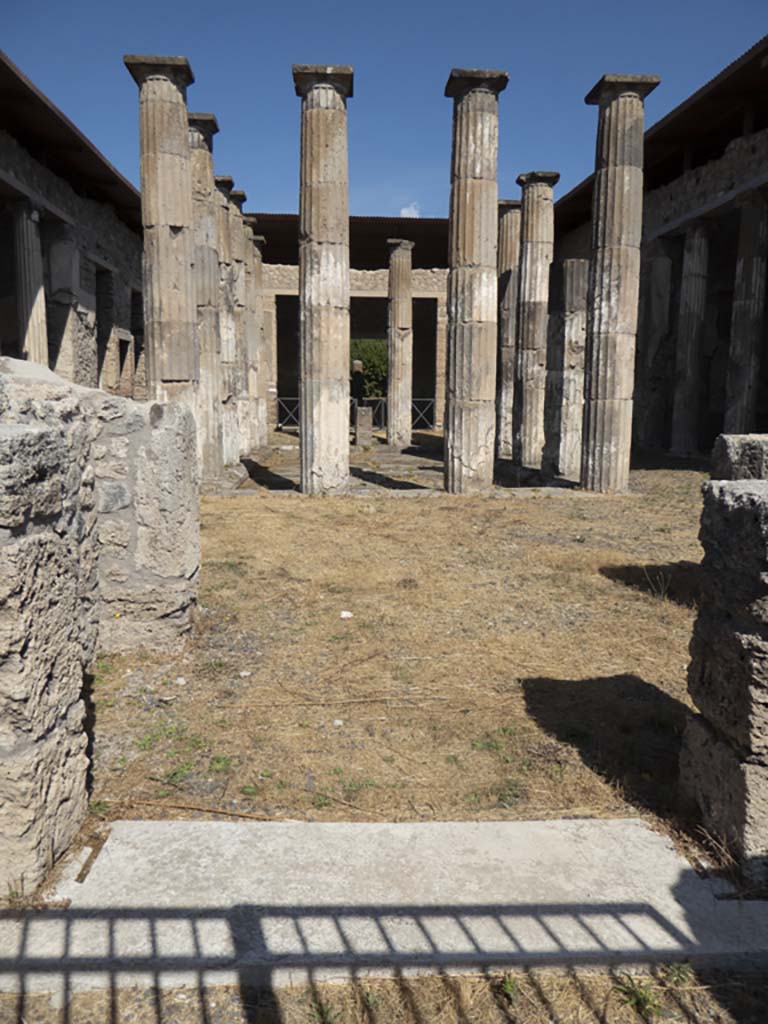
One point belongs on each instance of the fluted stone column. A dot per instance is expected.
(170, 309)
(537, 246)
(254, 336)
(690, 331)
(617, 214)
(565, 370)
(400, 344)
(747, 316)
(509, 280)
(441, 361)
(269, 312)
(30, 285)
(227, 332)
(324, 277)
(472, 285)
(202, 128)
(240, 251)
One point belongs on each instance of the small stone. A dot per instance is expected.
(346, 615)
(180, 681)
(338, 721)
(244, 674)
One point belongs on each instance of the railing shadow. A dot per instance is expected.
(259, 948)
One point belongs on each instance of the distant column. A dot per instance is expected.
(537, 246)
(202, 128)
(690, 331)
(257, 377)
(441, 359)
(324, 277)
(472, 285)
(30, 286)
(227, 332)
(509, 278)
(240, 270)
(565, 370)
(269, 308)
(617, 213)
(747, 317)
(170, 308)
(400, 344)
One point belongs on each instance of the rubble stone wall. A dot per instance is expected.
(99, 543)
(724, 760)
(740, 457)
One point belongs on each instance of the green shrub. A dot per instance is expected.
(373, 353)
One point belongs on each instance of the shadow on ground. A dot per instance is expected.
(389, 483)
(265, 477)
(680, 582)
(625, 729)
(235, 963)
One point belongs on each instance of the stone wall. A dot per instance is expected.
(740, 457)
(99, 541)
(93, 273)
(143, 460)
(48, 587)
(724, 760)
(282, 279)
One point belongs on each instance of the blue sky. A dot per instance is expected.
(399, 121)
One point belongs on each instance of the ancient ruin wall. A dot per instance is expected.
(283, 279)
(95, 239)
(48, 588)
(142, 459)
(724, 760)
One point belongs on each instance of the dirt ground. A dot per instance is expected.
(674, 994)
(385, 657)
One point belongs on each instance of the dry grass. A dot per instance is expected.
(674, 994)
(512, 658)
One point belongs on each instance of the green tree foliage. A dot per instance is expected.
(373, 353)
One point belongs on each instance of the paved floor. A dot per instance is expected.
(179, 903)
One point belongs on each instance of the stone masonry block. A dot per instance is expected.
(732, 795)
(740, 457)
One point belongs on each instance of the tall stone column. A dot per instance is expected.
(653, 323)
(202, 128)
(30, 284)
(170, 309)
(565, 370)
(324, 277)
(269, 312)
(441, 361)
(472, 285)
(241, 246)
(617, 214)
(537, 246)
(690, 331)
(227, 332)
(254, 336)
(400, 344)
(509, 280)
(747, 316)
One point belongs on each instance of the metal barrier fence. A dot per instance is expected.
(422, 412)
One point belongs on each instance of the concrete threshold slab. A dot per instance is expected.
(207, 903)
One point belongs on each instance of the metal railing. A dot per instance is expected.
(422, 412)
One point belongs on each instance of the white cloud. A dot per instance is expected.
(411, 210)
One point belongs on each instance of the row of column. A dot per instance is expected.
(567, 359)
(202, 272)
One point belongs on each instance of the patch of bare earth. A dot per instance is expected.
(523, 657)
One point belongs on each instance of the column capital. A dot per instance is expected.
(238, 197)
(206, 125)
(610, 86)
(509, 204)
(340, 76)
(224, 183)
(463, 80)
(550, 178)
(399, 243)
(142, 66)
